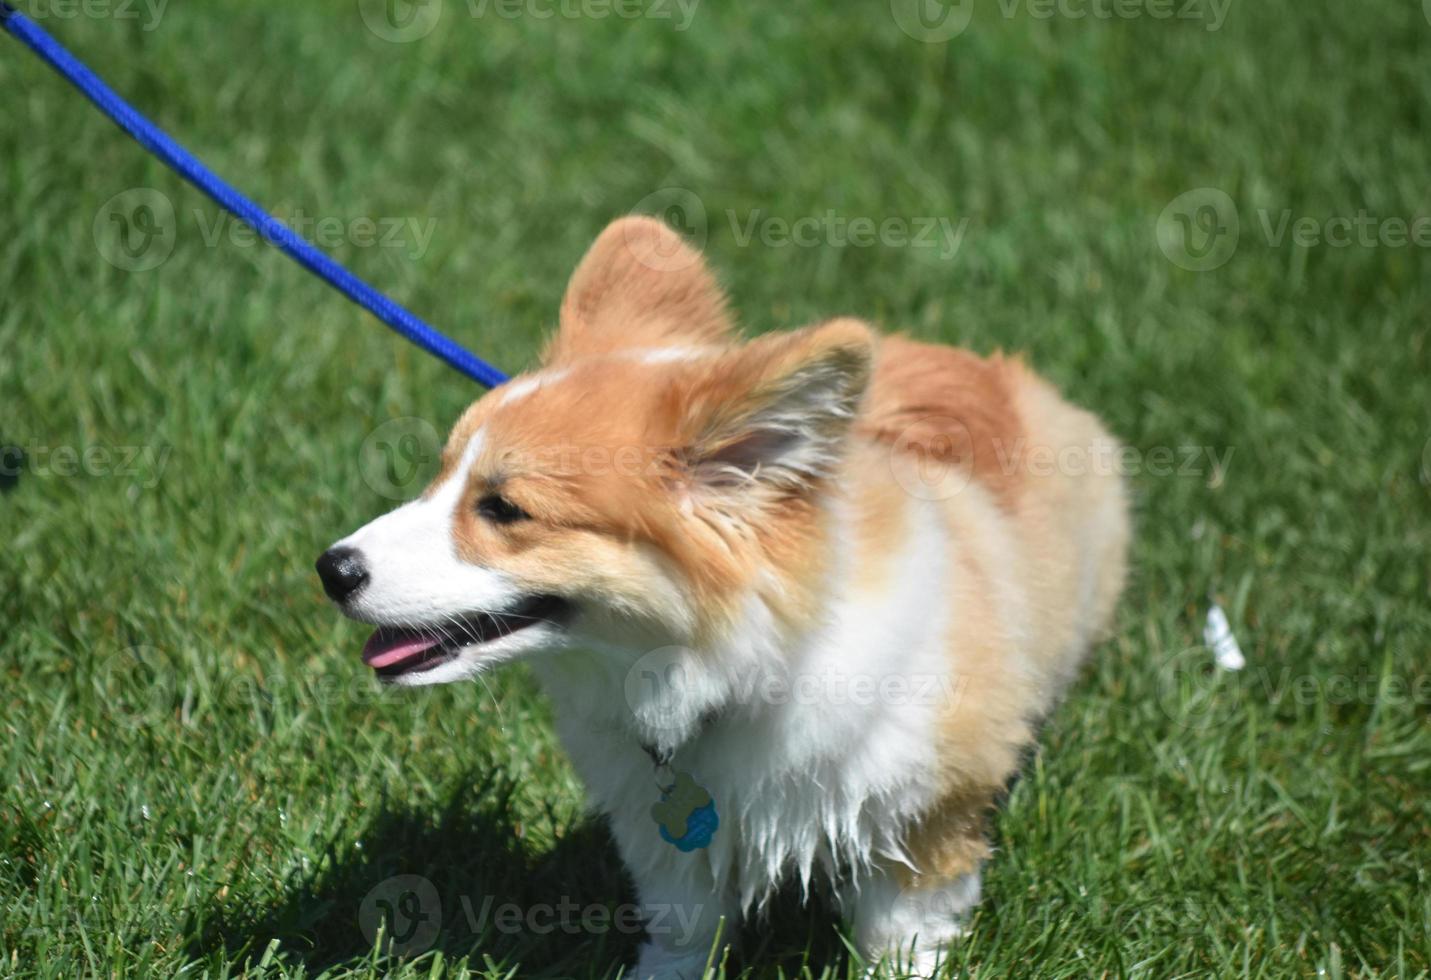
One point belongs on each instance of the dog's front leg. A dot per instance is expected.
(911, 924)
(689, 916)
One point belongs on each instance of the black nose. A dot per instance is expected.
(343, 572)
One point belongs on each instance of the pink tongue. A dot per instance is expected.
(390, 647)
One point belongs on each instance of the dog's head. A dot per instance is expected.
(632, 490)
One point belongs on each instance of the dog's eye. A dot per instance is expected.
(499, 510)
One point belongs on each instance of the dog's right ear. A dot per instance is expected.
(640, 286)
(773, 416)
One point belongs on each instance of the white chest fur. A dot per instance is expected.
(816, 752)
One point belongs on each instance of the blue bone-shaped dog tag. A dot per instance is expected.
(686, 814)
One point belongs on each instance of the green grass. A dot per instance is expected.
(196, 775)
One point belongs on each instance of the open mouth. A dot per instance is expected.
(394, 651)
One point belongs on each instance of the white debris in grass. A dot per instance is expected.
(1217, 634)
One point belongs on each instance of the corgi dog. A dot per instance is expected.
(800, 602)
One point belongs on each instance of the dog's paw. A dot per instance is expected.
(918, 964)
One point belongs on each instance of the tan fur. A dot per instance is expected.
(640, 285)
(879, 518)
(953, 406)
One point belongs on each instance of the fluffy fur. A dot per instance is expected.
(814, 567)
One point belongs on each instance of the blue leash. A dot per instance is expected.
(191, 169)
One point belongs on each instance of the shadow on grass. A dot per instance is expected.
(440, 879)
(465, 857)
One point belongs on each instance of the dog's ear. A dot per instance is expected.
(640, 285)
(774, 415)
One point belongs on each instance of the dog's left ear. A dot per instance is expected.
(641, 285)
(776, 413)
